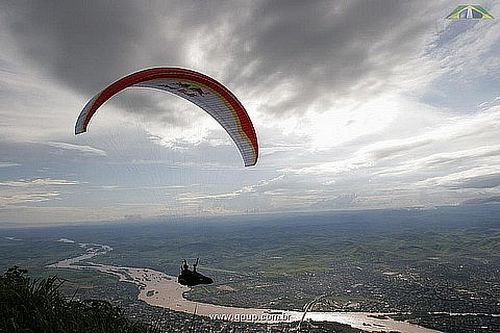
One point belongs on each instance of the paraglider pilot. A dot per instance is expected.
(191, 278)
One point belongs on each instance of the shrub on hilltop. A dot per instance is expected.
(28, 305)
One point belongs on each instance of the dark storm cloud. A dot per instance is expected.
(327, 48)
(87, 45)
(84, 45)
(323, 49)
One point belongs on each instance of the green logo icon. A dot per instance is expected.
(469, 12)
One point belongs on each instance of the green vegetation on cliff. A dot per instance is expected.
(28, 305)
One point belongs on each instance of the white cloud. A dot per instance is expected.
(8, 164)
(29, 191)
(192, 197)
(86, 150)
(438, 160)
(16, 199)
(477, 177)
(38, 182)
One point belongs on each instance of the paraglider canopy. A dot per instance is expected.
(204, 91)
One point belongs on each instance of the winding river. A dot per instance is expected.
(159, 289)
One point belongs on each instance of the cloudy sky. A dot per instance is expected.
(356, 104)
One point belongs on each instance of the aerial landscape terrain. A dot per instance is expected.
(439, 268)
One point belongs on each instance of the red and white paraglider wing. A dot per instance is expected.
(197, 88)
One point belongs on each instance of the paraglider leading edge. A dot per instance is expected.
(204, 91)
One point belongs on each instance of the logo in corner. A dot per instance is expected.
(469, 12)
